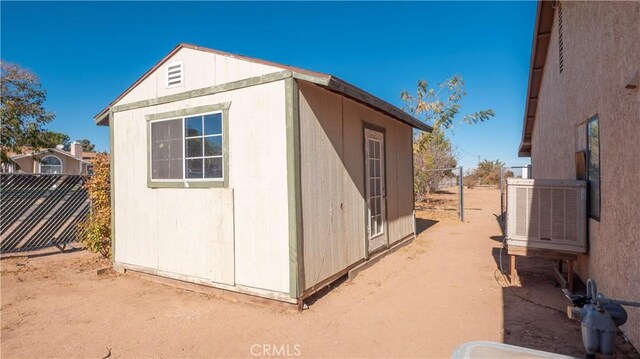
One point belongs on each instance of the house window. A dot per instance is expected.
(188, 147)
(593, 166)
(51, 165)
(560, 42)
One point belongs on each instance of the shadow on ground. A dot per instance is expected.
(534, 311)
(423, 224)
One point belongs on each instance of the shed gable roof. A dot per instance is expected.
(327, 81)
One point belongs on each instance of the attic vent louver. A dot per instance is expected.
(174, 74)
(560, 43)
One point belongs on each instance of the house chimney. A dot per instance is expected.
(76, 149)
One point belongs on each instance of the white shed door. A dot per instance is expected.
(376, 194)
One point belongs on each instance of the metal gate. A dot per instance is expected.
(40, 210)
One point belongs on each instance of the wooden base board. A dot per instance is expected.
(353, 270)
(218, 293)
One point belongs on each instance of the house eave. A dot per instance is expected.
(542, 35)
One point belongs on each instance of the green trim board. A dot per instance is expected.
(235, 85)
(224, 183)
(329, 82)
(294, 191)
(112, 186)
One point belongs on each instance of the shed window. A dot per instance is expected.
(593, 166)
(188, 148)
(51, 165)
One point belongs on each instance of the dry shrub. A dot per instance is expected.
(96, 229)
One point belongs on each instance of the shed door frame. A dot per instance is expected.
(375, 184)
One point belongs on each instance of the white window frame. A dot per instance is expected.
(181, 83)
(184, 148)
(54, 156)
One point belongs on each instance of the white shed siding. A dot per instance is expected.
(200, 69)
(332, 178)
(191, 231)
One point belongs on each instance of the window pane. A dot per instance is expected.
(372, 171)
(47, 169)
(194, 147)
(213, 124)
(374, 226)
(374, 208)
(193, 126)
(213, 146)
(593, 167)
(50, 160)
(213, 167)
(377, 149)
(166, 149)
(194, 168)
(379, 224)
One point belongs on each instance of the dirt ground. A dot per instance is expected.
(425, 299)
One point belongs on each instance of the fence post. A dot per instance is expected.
(461, 184)
(501, 193)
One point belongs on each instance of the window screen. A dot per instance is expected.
(166, 149)
(593, 166)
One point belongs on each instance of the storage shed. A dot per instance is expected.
(255, 177)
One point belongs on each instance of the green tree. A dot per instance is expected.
(432, 152)
(438, 107)
(52, 139)
(22, 111)
(87, 146)
(487, 173)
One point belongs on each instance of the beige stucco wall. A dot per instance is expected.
(332, 180)
(601, 53)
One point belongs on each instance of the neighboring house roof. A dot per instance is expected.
(327, 81)
(541, 37)
(47, 150)
(89, 156)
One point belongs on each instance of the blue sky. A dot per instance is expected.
(86, 53)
